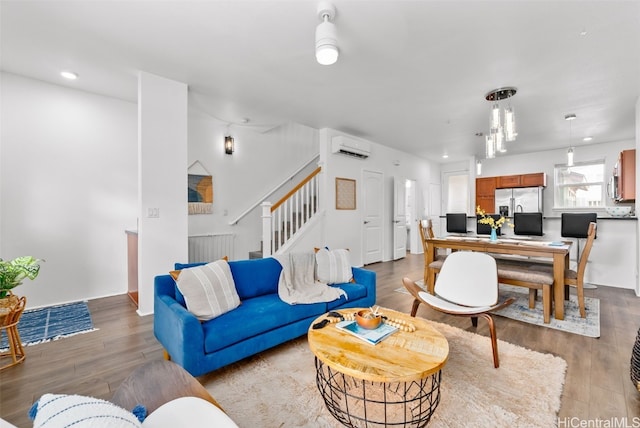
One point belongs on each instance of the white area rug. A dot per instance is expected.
(277, 388)
(519, 310)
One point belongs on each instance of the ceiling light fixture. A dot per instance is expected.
(326, 35)
(570, 118)
(503, 125)
(69, 75)
(588, 138)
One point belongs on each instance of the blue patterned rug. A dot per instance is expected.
(572, 323)
(52, 323)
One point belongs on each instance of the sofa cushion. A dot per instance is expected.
(524, 272)
(255, 316)
(255, 277)
(60, 410)
(354, 292)
(209, 290)
(333, 266)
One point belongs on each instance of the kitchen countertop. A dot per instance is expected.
(558, 218)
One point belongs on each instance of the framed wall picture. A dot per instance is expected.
(345, 194)
(200, 194)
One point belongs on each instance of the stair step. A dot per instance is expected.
(255, 254)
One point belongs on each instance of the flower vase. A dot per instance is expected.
(494, 236)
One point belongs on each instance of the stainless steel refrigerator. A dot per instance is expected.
(522, 199)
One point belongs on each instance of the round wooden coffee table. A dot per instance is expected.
(393, 383)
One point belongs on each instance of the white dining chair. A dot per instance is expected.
(467, 286)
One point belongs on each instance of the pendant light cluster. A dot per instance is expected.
(502, 122)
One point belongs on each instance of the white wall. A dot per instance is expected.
(68, 162)
(162, 180)
(344, 228)
(262, 159)
(614, 258)
(545, 162)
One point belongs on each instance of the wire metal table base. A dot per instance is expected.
(364, 404)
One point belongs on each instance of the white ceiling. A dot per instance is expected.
(411, 74)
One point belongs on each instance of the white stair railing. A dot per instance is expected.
(280, 221)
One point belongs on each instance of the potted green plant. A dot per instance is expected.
(12, 272)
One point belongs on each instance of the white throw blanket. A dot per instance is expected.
(297, 281)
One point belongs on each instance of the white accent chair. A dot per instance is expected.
(466, 286)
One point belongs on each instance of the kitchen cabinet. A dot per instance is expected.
(486, 187)
(485, 193)
(538, 179)
(132, 265)
(507, 181)
(534, 180)
(625, 172)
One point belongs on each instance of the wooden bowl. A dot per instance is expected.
(365, 319)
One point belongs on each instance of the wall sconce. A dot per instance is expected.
(478, 167)
(228, 145)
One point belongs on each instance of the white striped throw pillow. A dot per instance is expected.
(60, 410)
(209, 290)
(333, 267)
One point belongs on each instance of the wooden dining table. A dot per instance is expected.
(556, 252)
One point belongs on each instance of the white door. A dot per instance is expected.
(399, 218)
(372, 197)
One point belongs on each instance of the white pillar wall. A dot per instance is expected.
(637, 290)
(162, 181)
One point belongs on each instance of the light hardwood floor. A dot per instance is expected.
(597, 386)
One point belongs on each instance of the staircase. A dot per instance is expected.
(283, 221)
(289, 228)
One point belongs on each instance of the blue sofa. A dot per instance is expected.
(260, 322)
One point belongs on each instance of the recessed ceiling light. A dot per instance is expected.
(583, 33)
(587, 138)
(445, 156)
(69, 75)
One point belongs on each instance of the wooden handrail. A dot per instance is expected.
(295, 189)
(272, 191)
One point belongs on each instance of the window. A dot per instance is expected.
(457, 191)
(579, 186)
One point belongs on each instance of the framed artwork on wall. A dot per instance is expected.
(345, 194)
(200, 194)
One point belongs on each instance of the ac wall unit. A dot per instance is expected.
(351, 147)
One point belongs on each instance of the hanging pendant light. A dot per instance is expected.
(570, 156)
(502, 127)
(570, 118)
(510, 133)
(490, 147)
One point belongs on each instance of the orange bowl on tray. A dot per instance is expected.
(366, 319)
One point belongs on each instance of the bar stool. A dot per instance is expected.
(9, 325)
(576, 225)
